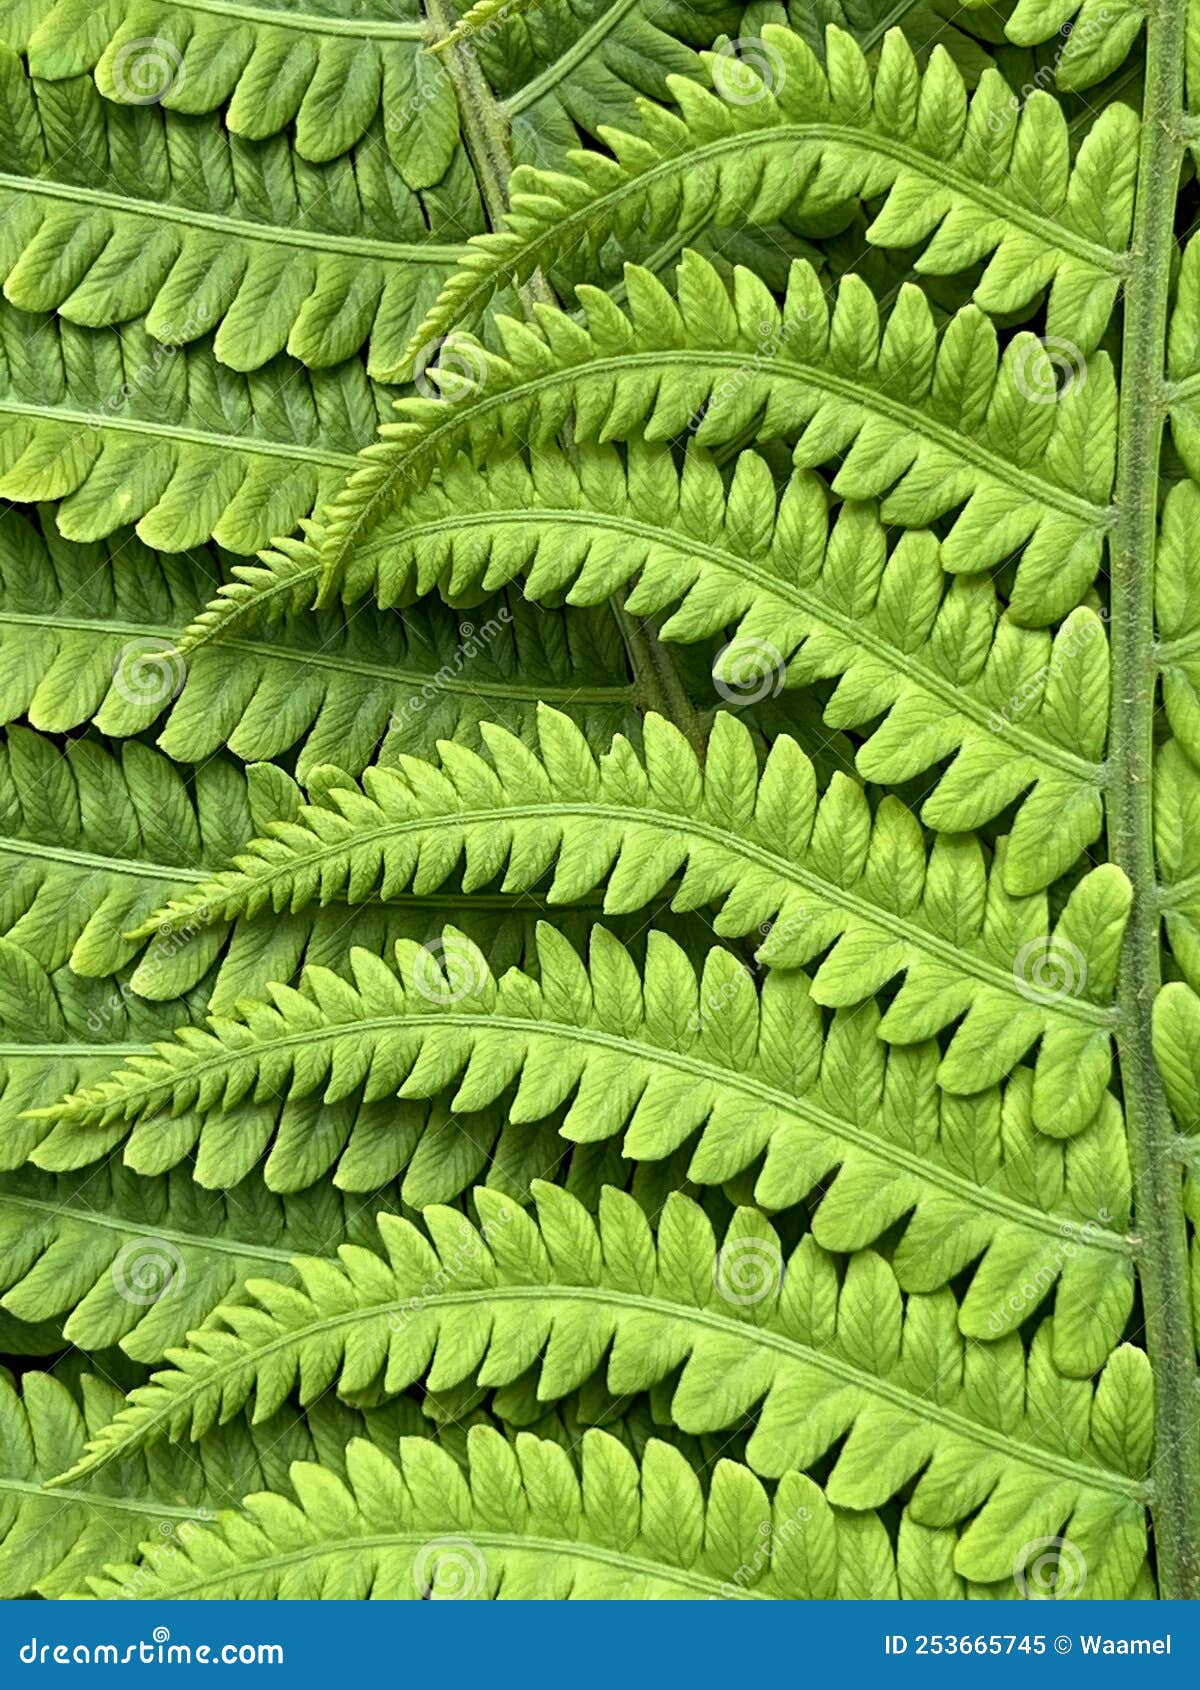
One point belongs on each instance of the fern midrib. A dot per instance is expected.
(975, 1196)
(858, 631)
(72, 858)
(596, 32)
(1159, 1217)
(96, 1500)
(297, 657)
(813, 375)
(90, 1052)
(601, 208)
(921, 938)
(252, 445)
(270, 234)
(921, 1407)
(518, 1542)
(107, 1221)
(309, 23)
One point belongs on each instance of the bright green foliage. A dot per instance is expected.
(667, 1061)
(1002, 188)
(599, 800)
(520, 1523)
(929, 422)
(770, 856)
(827, 1359)
(208, 232)
(87, 633)
(122, 429)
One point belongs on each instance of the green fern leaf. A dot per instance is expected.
(53, 1540)
(121, 429)
(88, 634)
(810, 600)
(669, 1063)
(207, 232)
(931, 425)
(522, 1524)
(994, 183)
(824, 1360)
(773, 858)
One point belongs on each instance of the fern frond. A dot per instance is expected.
(92, 842)
(122, 429)
(88, 634)
(118, 1259)
(1092, 37)
(117, 212)
(810, 599)
(521, 1524)
(327, 75)
(58, 1029)
(985, 180)
(673, 1065)
(53, 1540)
(976, 1428)
(929, 425)
(771, 856)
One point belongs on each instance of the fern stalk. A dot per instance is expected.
(1160, 1223)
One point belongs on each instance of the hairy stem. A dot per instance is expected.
(655, 675)
(1158, 1193)
(484, 127)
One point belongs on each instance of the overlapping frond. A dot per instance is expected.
(121, 429)
(88, 634)
(929, 424)
(810, 597)
(746, 1089)
(983, 181)
(93, 841)
(53, 1540)
(521, 1524)
(115, 212)
(775, 859)
(981, 1430)
(115, 1258)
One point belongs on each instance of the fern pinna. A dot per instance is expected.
(600, 928)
